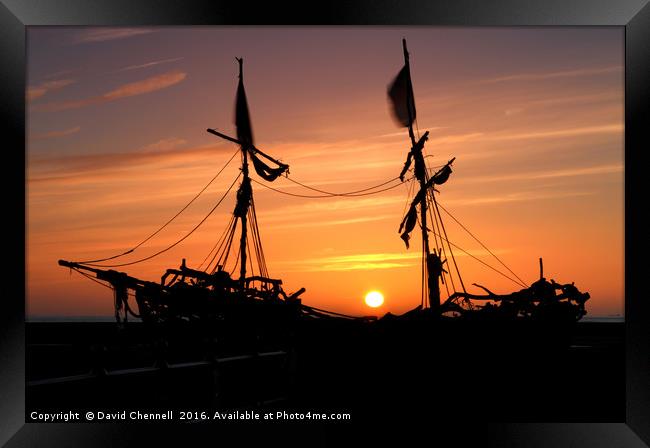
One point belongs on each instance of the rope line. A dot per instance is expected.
(167, 223)
(434, 219)
(330, 312)
(217, 245)
(106, 285)
(327, 195)
(349, 193)
(480, 261)
(176, 243)
(523, 283)
(453, 258)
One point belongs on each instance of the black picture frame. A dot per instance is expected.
(633, 15)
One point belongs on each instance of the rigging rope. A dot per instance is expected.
(330, 195)
(167, 223)
(234, 269)
(176, 243)
(307, 307)
(480, 261)
(434, 219)
(349, 193)
(217, 246)
(223, 257)
(409, 194)
(442, 224)
(105, 285)
(523, 283)
(258, 240)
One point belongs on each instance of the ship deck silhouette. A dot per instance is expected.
(209, 337)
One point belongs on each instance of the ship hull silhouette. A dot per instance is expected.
(211, 293)
(218, 340)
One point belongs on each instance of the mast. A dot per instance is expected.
(245, 181)
(420, 174)
(244, 202)
(242, 240)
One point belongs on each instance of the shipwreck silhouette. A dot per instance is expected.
(211, 294)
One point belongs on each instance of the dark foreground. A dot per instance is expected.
(470, 371)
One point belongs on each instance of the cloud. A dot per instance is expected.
(54, 134)
(148, 85)
(57, 74)
(148, 64)
(362, 266)
(516, 197)
(107, 34)
(457, 138)
(553, 75)
(83, 168)
(328, 223)
(358, 262)
(577, 99)
(615, 128)
(571, 132)
(91, 162)
(166, 144)
(37, 91)
(372, 261)
(570, 172)
(145, 86)
(404, 133)
(354, 204)
(513, 111)
(364, 258)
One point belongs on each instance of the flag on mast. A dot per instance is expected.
(400, 92)
(242, 117)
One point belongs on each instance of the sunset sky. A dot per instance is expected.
(116, 145)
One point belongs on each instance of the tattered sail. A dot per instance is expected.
(400, 92)
(242, 117)
(266, 172)
(416, 151)
(408, 223)
(244, 196)
(245, 135)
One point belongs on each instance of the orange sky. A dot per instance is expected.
(117, 145)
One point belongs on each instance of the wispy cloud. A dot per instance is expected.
(319, 208)
(569, 172)
(147, 85)
(57, 74)
(39, 90)
(570, 132)
(364, 258)
(457, 138)
(358, 262)
(578, 99)
(360, 266)
(614, 128)
(332, 222)
(86, 167)
(54, 134)
(553, 75)
(147, 64)
(371, 261)
(516, 197)
(513, 111)
(404, 132)
(107, 34)
(166, 144)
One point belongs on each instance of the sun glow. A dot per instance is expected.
(374, 299)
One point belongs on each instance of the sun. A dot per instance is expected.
(374, 299)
